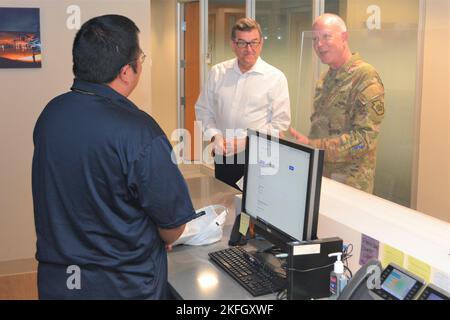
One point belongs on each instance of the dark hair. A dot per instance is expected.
(245, 24)
(103, 46)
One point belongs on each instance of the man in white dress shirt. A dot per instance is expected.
(241, 93)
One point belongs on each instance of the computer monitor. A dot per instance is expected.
(282, 188)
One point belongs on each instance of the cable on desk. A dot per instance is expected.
(347, 254)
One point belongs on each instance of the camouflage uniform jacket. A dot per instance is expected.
(348, 110)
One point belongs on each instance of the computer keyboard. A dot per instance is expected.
(248, 271)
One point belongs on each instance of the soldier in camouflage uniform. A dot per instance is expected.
(348, 108)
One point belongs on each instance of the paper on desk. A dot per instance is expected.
(390, 254)
(245, 222)
(369, 249)
(419, 268)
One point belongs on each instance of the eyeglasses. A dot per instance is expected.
(243, 44)
(142, 57)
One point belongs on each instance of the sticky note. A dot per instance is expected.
(419, 268)
(245, 222)
(369, 249)
(390, 254)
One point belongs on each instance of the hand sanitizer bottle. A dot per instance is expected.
(338, 280)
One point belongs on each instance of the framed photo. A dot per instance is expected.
(20, 38)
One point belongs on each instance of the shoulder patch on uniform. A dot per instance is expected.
(378, 107)
(370, 90)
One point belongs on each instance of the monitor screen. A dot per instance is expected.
(282, 187)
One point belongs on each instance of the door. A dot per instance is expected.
(191, 76)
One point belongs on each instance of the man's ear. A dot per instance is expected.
(345, 36)
(124, 73)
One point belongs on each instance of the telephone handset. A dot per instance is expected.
(357, 287)
(393, 283)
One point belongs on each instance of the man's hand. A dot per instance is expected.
(218, 147)
(298, 136)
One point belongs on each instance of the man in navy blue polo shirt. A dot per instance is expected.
(108, 199)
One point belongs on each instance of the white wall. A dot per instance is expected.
(25, 92)
(433, 195)
(164, 70)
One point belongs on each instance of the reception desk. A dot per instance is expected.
(409, 238)
(344, 212)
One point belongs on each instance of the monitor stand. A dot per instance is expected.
(261, 244)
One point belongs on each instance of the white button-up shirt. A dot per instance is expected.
(257, 99)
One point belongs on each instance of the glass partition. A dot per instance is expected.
(222, 15)
(396, 142)
(386, 34)
(282, 23)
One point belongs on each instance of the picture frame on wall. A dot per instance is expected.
(20, 38)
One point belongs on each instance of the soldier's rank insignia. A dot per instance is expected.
(378, 107)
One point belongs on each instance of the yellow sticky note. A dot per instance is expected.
(419, 268)
(390, 254)
(245, 222)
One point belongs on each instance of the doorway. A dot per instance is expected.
(221, 16)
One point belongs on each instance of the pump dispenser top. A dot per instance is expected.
(338, 280)
(338, 265)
